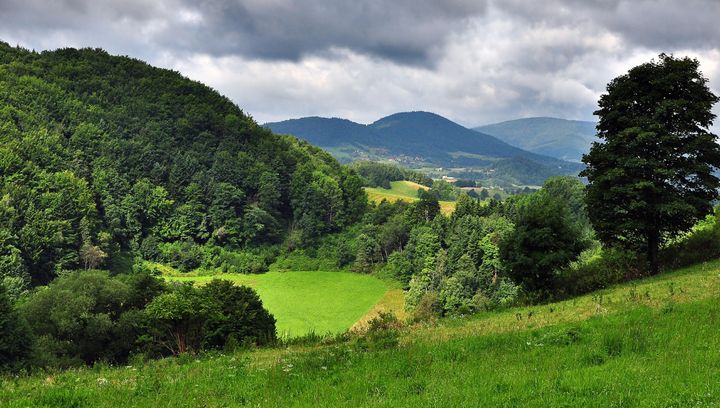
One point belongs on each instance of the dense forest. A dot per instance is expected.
(103, 154)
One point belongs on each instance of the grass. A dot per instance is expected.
(404, 191)
(647, 343)
(310, 302)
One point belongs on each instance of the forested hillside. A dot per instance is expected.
(102, 154)
(424, 139)
(560, 138)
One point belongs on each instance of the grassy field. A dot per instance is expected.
(304, 302)
(405, 191)
(648, 343)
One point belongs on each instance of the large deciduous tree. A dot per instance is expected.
(651, 175)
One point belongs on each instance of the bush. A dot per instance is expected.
(699, 245)
(15, 339)
(598, 268)
(428, 308)
(303, 260)
(183, 255)
(218, 315)
(383, 333)
(77, 317)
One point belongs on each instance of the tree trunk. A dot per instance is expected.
(653, 246)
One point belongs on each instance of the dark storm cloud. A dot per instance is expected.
(474, 61)
(408, 31)
(646, 23)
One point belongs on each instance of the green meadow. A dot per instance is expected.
(646, 343)
(310, 302)
(404, 191)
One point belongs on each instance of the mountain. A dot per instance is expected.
(424, 139)
(559, 138)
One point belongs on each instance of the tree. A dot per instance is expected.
(15, 338)
(240, 317)
(544, 240)
(651, 176)
(178, 318)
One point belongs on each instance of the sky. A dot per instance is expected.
(475, 62)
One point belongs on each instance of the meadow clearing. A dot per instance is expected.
(309, 302)
(404, 191)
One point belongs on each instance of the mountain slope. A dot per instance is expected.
(110, 152)
(423, 139)
(560, 138)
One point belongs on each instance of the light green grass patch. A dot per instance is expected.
(305, 302)
(404, 191)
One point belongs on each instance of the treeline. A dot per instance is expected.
(84, 317)
(380, 174)
(103, 155)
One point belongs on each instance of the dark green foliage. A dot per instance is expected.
(545, 239)
(425, 209)
(110, 154)
(82, 317)
(240, 316)
(187, 319)
(651, 177)
(15, 340)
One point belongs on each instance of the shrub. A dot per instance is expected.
(218, 315)
(699, 245)
(15, 337)
(383, 333)
(77, 317)
(428, 309)
(183, 255)
(598, 268)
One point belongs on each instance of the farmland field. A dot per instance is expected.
(404, 191)
(305, 302)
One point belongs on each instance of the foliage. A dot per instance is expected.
(101, 155)
(83, 317)
(15, 337)
(545, 239)
(651, 176)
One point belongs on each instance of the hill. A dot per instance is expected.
(424, 139)
(623, 346)
(559, 138)
(101, 155)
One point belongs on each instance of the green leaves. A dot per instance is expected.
(651, 177)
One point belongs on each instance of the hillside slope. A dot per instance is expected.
(112, 154)
(631, 345)
(423, 139)
(559, 138)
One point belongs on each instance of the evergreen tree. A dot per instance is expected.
(651, 176)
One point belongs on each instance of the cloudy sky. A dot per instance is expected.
(475, 62)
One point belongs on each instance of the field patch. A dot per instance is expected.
(305, 302)
(404, 191)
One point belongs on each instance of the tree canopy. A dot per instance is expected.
(651, 175)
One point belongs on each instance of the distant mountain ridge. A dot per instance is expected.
(423, 139)
(560, 138)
